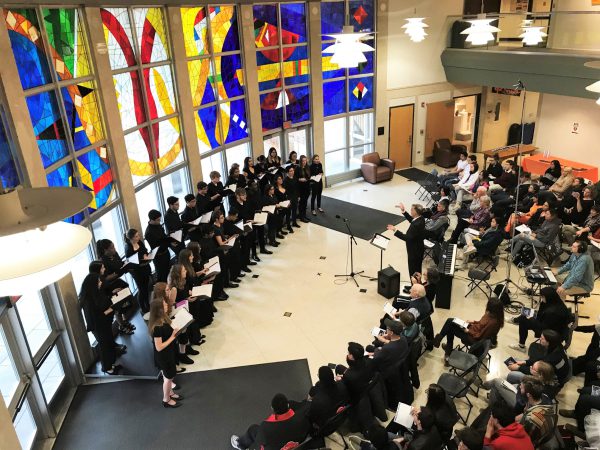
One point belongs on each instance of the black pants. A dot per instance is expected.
(294, 209)
(106, 344)
(450, 330)
(415, 262)
(304, 194)
(245, 242)
(162, 263)
(249, 436)
(461, 226)
(525, 325)
(316, 191)
(584, 405)
(142, 281)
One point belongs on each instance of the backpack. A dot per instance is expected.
(525, 257)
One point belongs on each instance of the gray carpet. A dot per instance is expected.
(413, 174)
(363, 221)
(218, 403)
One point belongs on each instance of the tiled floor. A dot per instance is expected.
(326, 312)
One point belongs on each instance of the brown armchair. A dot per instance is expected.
(374, 169)
(445, 154)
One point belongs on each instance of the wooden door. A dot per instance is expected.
(401, 135)
(439, 125)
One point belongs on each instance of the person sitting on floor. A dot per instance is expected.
(485, 328)
(577, 274)
(281, 429)
(538, 416)
(552, 315)
(503, 433)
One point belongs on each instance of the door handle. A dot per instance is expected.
(410, 139)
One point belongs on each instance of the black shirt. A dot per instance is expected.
(214, 189)
(203, 204)
(173, 222)
(291, 187)
(156, 237)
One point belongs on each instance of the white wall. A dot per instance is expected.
(554, 128)
(416, 64)
(575, 31)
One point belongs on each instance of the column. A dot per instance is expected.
(8, 434)
(182, 83)
(316, 81)
(112, 118)
(251, 82)
(381, 104)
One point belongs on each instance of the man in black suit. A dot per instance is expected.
(413, 237)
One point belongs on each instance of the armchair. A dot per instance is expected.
(374, 169)
(445, 154)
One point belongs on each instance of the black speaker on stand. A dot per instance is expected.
(388, 282)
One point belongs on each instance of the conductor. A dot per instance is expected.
(413, 237)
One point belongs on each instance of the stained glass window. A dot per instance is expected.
(233, 120)
(271, 110)
(360, 93)
(297, 104)
(140, 157)
(117, 32)
(96, 176)
(48, 126)
(159, 91)
(201, 76)
(293, 20)
(129, 98)
(151, 34)
(65, 177)
(224, 29)
(83, 114)
(207, 129)
(195, 31)
(335, 93)
(9, 177)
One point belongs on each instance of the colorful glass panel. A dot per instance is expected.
(266, 26)
(207, 129)
(224, 29)
(271, 110)
(229, 76)
(8, 169)
(96, 176)
(366, 67)
(233, 120)
(167, 136)
(82, 114)
(201, 76)
(332, 18)
(48, 126)
(28, 47)
(296, 67)
(151, 34)
(117, 33)
(158, 82)
(269, 69)
(64, 177)
(334, 97)
(139, 152)
(297, 104)
(129, 99)
(293, 23)
(362, 15)
(195, 31)
(360, 93)
(330, 69)
(68, 47)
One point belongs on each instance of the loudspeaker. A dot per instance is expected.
(388, 282)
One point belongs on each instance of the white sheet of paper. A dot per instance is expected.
(195, 222)
(260, 218)
(182, 319)
(120, 296)
(178, 235)
(595, 244)
(428, 243)
(389, 309)
(134, 259)
(231, 242)
(260, 177)
(523, 229)
(153, 252)
(284, 204)
(232, 187)
(380, 241)
(404, 415)
(377, 332)
(461, 323)
(472, 231)
(269, 209)
(240, 225)
(211, 262)
(202, 290)
(317, 178)
(205, 218)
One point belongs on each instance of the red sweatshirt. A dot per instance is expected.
(511, 437)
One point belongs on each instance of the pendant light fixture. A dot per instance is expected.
(532, 35)
(348, 50)
(37, 248)
(415, 28)
(481, 31)
(594, 87)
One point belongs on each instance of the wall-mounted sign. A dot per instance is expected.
(506, 91)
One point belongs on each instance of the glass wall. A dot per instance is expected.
(215, 66)
(348, 94)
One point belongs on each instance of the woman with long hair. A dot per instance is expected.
(303, 177)
(141, 272)
(273, 219)
(477, 330)
(249, 170)
(99, 313)
(201, 309)
(177, 281)
(316, 187)
(164, 337)
(285, 213)
(552, 173)
(443, 409)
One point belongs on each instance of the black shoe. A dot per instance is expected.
(304, 219)
(280, 236)
(241, 275)
(290, 230)
(120, 349)
(236, 280)
(221, 297)
(246, 269)
(252, 263)
(295, 224)
(232, 285)
(176, 388)
(184, 359)
(114, 370)
(256, 258)
(214, 308)
(266, 252)
(274, 244)
(189, 350)
(167, 405)
(179, 370)
(179, 397)
(283, 232)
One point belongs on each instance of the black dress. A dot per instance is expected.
(156, 237)
(316, 188)
(141, 274)
(101, 326)
(167, 358)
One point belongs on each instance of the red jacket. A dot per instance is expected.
(511, 437)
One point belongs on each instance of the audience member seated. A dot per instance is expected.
(393, 352)
(577, 213)
(508, 179)
(478, 330)
(555, 356)
(503, 433)
(563, 183)
(452, 175)
(424, 435)
(576, 276)
(544, 235)
(521, 217)
(494, 168)
(483, 245)
(590, 225)
(551, 315)
(465, 212)
(438, 222)
(589, 362)
(552, 173)
(282, 429)
(469, 439)
(480, 219)
(537, 417)
(465, 184)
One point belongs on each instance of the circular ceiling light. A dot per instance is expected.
(415, 28)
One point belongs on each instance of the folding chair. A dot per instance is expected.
(330, 427)
(458, 387)
(462, 362)
(477, 277)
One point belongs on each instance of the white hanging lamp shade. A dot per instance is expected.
(480, 32)
(415, 28)
(532, 35)
(348, 50)
(37, 248)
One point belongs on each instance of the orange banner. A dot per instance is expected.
(595, 2)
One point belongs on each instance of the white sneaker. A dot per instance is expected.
(146, 316)
(469, 250)
(518, 347)
(234, 442)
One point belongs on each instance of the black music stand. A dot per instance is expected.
(381, 242)
(351, 242)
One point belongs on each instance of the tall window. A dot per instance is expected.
(212, 47)
(9, 175)
(56, 73)
(348, 94)
(283, 66)
(140, 57)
